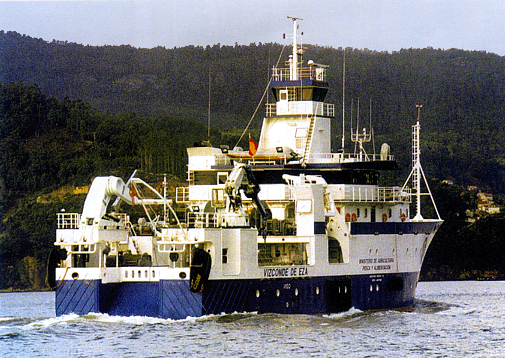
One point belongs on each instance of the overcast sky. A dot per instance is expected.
(374, 24)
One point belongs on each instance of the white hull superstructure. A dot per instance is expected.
(285, 227)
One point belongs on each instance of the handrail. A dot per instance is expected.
(364, 193)
(68, 220)
(347, 158)
(312, 73)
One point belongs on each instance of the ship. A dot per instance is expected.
(286, 227)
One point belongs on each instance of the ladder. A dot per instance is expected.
(308, 142)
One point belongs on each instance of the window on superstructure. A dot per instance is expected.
(319, 94)
(222, 177)
(292, 95)
(334, 252)
(282, 254)
(225, 256)
(307, 94)
(217, 197)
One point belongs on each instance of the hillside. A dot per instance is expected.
(462, 92)
(70, 112)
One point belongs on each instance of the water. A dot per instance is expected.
(451, 319)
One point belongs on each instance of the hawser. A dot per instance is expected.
(286, 227)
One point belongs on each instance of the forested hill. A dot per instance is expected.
(462, 92)
(70, 112)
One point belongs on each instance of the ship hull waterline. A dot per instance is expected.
(172, 299)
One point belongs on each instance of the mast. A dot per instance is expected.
(417, 172)
(416, 163)
(293, 75)
(208, 112)
(343, 105)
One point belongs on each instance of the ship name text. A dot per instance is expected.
(286, 272)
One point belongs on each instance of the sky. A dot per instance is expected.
(381, 25)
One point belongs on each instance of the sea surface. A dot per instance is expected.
(450, 319)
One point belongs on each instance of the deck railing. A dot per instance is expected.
(364, 193)
(200, 220)
(347, 157)
(315, 73)
(182, 194)
(68, 220)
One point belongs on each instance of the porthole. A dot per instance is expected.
(277, 292)
(257, 293)
(377, 288)
(126, 274)
(153, 274)
(145, 274)
(317, 290)
(182, 275)
(296, 291)
(75, 275)
(133, 274)
(345, 289)
(139, 274)
(371, 288)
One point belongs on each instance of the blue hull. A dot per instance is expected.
(173, 299)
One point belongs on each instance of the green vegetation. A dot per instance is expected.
(70, 112)
(464, 249)
(46, 144)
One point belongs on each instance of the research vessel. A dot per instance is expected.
(285, 226)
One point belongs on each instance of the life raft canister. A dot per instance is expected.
(199, 270)
(384, 217)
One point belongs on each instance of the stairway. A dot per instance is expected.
(308, 142)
